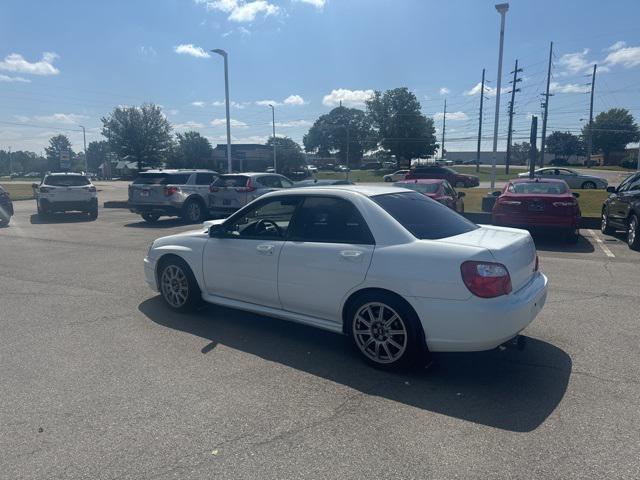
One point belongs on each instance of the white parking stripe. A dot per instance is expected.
(601, 244)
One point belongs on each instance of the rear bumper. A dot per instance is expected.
(479, 324)
(140, 208)
(67, 206)
(533, 222)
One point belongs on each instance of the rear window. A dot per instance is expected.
(538, 188)
(162, 178)
(66, 180)
(420, 187)
(424, 218)
(231, 181)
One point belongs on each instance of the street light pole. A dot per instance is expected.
(226, 102)
(84, 141)
(502, 10)
(273, 118)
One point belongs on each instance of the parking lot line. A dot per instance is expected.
(601, 244)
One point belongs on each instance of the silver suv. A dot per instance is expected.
(64, 192)
(174, 193)
(233, 191)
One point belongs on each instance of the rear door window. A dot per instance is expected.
(270, 181)
(329, 220)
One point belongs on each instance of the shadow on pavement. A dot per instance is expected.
(162, 223)
(75, 217)
(507, 389)
(549, 242)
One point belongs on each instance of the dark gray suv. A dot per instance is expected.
(233, 191)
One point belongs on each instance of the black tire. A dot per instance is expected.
(193, 211)
(150, 217)
(412, 349)
(388, 180)
(633, 232)
(588, 185)
(175, 276)
(93, 213)
(604, 224)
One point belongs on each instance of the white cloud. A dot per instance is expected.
(266, 103)
(319, 4)
(241, 10)
(186, 126)
(147, 51)
(198, 104)
(244, 31)
(222, 139)
(294, 123)
(65, 118)
(576, 62)
(6, 78)
(628, 57)
(555, 87)
(445, 91)
(190, 49)
(349, 98)
(220, 103)
(454, 116)
(221, 122)
(616, 46)
(487, 90)
(16, 63)
(294, 100)
(174, 111)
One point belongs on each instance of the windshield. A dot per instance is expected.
(420, 187)
(66, 181)
(426, 219)
(539, 188)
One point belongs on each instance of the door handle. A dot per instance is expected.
(265, 249)
(353, 255)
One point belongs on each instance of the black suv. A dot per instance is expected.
(622, 210)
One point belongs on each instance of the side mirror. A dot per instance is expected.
(215, 230)
(461, 194)
(576, 194)
(612, 189)
(34, 185)
(497, 194)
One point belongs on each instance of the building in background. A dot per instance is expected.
(253, 157)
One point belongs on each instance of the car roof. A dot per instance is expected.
(251, 174)
(538, 180)
(341, 190)
(423, 180)
(179, 170)
(55, 174)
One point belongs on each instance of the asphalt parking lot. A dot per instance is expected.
(100, 381)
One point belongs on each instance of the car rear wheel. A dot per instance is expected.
(604, 225)
(150, 217)
(193, 211)
(588, 185)
(385, 331)
(178, 286)
(633, 233)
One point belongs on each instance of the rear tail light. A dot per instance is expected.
(248, 188)
(44, 189)
(91, 188)
(502, 201)
(568, 203)
(168, 191)
(486, 279)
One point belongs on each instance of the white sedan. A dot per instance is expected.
(400, 274)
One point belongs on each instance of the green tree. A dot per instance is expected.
(191, 151)
(612, 131)
(331, 132)
(520, 152)
(97, 154)
(400, 127)
(57, 145)
(289, 155)
(139, 134)
(564, 144)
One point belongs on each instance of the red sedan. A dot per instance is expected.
(439, 190)
(539, 204)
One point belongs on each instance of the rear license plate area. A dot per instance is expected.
(144, 193)
(536, 206)
(226, 201)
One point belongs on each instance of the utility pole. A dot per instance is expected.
(589, 132)
(347, 172)
(444, 127)
(84, 141)
(273, 117)
(10, 163)
(225, 56)
(546, 109)
(514, 82)
(532, 149)
(480, 123)
(502, 10)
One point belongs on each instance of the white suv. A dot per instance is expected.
(65, 192)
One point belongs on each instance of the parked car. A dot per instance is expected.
(472, 162)
(321, 183)
(342, 168)
(398, 273)
(573, 178)
(312, 168)
(435, 171)
(622, 210)
(438, 190)
(443, 162)
(371, 166)
(172, 193)
(230, 192)
(6, 207)
(395, 176)
(539, 204)
(65, 192)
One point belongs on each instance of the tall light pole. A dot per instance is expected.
(226, 102)
(273, 118)
(84, 141)
(502, 10)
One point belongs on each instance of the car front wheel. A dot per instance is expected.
(178, 286)
(386, 331)
(588, 185)
(150, 217)
(633, 233)
(193, 211)
(604, 226)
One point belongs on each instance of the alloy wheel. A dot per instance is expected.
(633, 230)
(380, 333)
(175, 286)
(194, 211)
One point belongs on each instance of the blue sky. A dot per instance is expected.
(69, 62)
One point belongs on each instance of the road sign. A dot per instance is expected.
(65, 160)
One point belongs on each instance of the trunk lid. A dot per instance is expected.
(509, 246)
